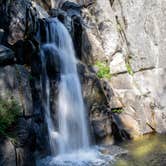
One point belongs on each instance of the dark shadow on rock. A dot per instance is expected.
(119, 132)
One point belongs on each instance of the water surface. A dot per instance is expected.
(149, 150)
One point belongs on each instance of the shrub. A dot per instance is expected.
(9, 112)
(118, 110)
(103, 70)
(129, 69)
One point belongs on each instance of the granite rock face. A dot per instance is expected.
(131, 38)
(14, 83)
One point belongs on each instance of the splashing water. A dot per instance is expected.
(91, 157)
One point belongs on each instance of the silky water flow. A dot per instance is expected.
(69, 141)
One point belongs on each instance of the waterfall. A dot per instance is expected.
(68, 136)
(53, 4)
(71, 133)
(56, 3)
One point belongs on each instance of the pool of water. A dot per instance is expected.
(149, 150)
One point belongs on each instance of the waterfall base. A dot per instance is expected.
(79, 158)
(98, 156)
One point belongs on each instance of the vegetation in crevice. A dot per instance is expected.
(129, 69)
(103, 70)
(9, 113)
(118, 110)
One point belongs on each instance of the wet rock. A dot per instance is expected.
(99, 127)
(40, 11)
(25, 142)
(70, 5)
(38, 126)
(52, 61)
(24, 157)
(45, 4)
(1, 34)
(24, 50)
(59, 13)
(7, 153)
(6, 56)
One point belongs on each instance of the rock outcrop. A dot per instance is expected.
(129, 37)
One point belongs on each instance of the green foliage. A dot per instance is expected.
(9, 112)
(103, 70)
(30, 78)
(119, 110)
(129, 69)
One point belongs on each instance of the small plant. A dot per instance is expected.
(129, 69)
(118, 110)
(103, 70)
(9, 112)
(30, 78)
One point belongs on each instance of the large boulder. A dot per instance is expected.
(6, 56)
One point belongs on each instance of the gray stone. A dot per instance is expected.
(99, 128)
(122, 81)
(143, 24)
(160, 121)
(6, 55)
(41, 12)
(107, 26)
(7, 153)
(19, 20)
(143, 101)
(92, 48)
(14, 82)
(117, 64)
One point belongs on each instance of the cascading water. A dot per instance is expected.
(72, 131)
(69, 141)
(71, 110)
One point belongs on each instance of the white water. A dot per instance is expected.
(71, 111)
(91, 157)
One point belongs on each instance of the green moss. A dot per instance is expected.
(9, 113)
(129, 69)
(118, 110)
(103, 70)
